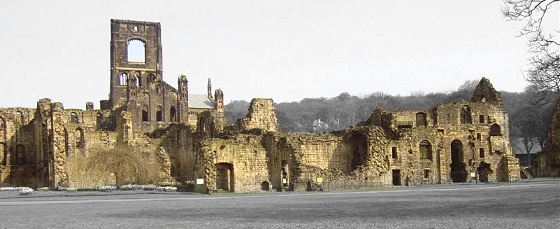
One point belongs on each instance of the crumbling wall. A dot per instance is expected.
(246, 157)
(547, 163)
(261, 115)
(79, 175)
(326, 161)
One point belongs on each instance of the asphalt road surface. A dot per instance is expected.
(516, 205)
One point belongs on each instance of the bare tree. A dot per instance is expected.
(130, 165)
(544, 72)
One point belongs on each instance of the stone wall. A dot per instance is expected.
(261, 115)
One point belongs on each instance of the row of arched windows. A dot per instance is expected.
(123, 80)
(159, 114)
(20, 155)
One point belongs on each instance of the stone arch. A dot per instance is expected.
(225, 178)
(495, 130)
(20, 117)
(425, 149)
(421, 120)
(359, 145)
(265, 186)
(74, 118)
(136, 50)
(123, 79)
(458, 171)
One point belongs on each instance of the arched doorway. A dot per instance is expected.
(458, 172)
(483, 171)
(495, 130)
(224, 177)
(265, 186)
(358, 143)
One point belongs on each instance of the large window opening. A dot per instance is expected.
(136, 51)
(123, 78)
(425, 150)
(159, 114)
(421, 119)
(394, 154)
(145, 117)
(466, 116)
(495, 130)
(74, 118)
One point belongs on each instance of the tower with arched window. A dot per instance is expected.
(135, 52)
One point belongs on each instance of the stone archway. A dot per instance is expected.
(483, 171)
(458, 171)
(359, 146)
(265, 186)
(225, 177)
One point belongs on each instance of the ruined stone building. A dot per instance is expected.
(49, 146)
(547, 163)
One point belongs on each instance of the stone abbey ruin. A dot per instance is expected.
(48, 146)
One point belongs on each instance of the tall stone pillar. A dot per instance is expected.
(124, 128)
(58, 145)
(183, 100)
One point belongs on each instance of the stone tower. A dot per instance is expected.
(183, 101)
(210, 89)
(136, 58)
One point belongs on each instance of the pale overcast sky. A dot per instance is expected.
(285, 50)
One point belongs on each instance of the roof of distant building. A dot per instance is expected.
(200, 101)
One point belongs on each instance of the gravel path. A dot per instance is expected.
(512, 205)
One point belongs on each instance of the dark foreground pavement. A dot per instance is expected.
(516, 205)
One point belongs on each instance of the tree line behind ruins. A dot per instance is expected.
(528, 117)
